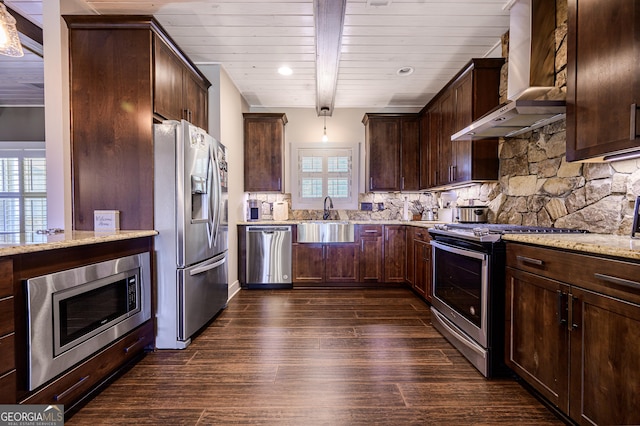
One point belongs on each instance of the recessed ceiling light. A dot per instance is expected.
(405, 71)
(285, 70)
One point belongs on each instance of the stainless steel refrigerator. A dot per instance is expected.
(190, 214)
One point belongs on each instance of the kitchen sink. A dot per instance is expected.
(326, 231)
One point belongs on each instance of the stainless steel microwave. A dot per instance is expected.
(73, 314)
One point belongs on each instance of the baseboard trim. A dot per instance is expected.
(234, 289)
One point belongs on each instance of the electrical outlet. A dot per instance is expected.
(380, 206)
(367, 207)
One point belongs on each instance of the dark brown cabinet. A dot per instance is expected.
(371, 253)
(392, 146)
(263, 152)
(116, 96)
(572, 323)
(395, 261)
(178, 92)
(7, 334)
(325, 263)
(422, 263)
(603, 78)
(470, 94)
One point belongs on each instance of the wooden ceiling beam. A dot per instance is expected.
(329, 22)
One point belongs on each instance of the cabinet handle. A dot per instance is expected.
(454, 173)
(129, 348)
(279, 184)
(561, 308)
(633, 133)
(70, 389)
(371, 183)
(574, 313)
(370, 231)
(618, 281)
(530, 260)
(362, 246)
(402, 183)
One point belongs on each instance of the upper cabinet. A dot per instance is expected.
(263, 152)
(125, 75)
(178, 92)
(392, 146)
(603, 78)
(473, 92)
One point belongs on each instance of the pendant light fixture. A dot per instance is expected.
(324, 111)
(9, 40)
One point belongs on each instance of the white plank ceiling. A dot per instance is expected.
(252, 38)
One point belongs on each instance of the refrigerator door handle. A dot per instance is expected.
(212, 224)
(205, 268)
(215, 199)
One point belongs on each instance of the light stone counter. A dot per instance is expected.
(418, 223)
(11, 244)
(602, 244)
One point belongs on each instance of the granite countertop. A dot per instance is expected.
(603, 244)
(11, 244)
(418, 223)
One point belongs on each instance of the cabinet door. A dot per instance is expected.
(410, 272)
(167, 83)
(263, 150)
(445, 153)
(308, 263)
(463, 116)
(603, 77)
(422, 272)
(341, 262)
(410, 176)
(536, 334)
(605, 359)
(194, 101)
(395, 260)
(383, 149)
(371, 258)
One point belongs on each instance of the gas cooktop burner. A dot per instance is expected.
(491, 232)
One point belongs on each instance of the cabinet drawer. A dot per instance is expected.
(73, 385)
(6, 316)
(7, 350)
(421, 234)
(6, 278)
(370, 230)
(8, 388)
(615, 278)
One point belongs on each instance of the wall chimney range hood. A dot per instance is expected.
(531, 76)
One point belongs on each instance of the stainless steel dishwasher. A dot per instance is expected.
(268, 257)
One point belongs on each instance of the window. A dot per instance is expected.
(319, 172)
(23, 191)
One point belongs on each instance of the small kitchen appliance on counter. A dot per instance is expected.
(254, 210)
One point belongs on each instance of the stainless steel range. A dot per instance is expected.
(468, 289)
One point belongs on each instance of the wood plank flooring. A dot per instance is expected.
(314, 357)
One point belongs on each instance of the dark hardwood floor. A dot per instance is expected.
(314, 357)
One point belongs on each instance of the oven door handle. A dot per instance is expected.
(461, 251)
(443, 322)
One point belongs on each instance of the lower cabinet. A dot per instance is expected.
(422, 263)
(75, 384)
(395, 260)
(325, 263)
(573, 327)
(371, 253)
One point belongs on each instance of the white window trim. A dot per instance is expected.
(350, 203)
(22, 150)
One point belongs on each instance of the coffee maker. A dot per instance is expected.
(254, 212)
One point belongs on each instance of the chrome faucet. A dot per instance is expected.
(327, 211)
